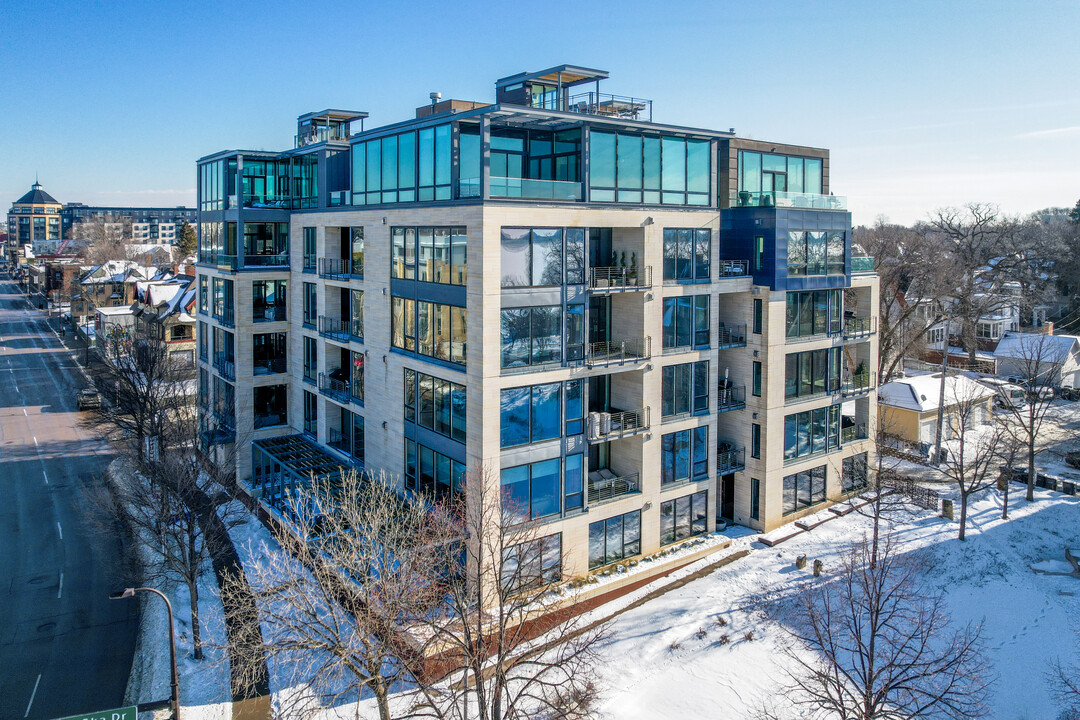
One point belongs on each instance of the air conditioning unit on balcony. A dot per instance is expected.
(605, 423)
(593, 425)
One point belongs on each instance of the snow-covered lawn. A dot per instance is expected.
(658, 664)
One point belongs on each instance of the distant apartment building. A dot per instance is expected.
(34, 220)
(149, 226)
(641, 329)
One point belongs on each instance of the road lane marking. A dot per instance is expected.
(35, 441)
(59, 529)
(46, 477)
(29, 704)
(60, 591)
(24, 413)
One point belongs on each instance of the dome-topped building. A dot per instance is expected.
(34, 219)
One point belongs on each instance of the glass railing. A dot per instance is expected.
(269, 366)
(862, 265)
(853, 432)
(619, 106)
(225, 262)
(279, 260)
(339, 198)
(859, 326)
(858, 384)
(268, 313)
(468, 188)
(501, 187)
(226, 367)
(745, 198)
(262, 201)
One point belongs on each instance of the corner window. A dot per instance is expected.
(803, 490)
(436, 404)
(531, 336)
(532, 491)
(530, 414)
(811, 432)
(614, 539)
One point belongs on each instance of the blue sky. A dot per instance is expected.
(923, 104)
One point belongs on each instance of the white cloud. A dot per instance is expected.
(1055, 132)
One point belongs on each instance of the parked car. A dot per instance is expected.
(1072, 459)
(1070, 394)
(88, 399)
(1006, 394)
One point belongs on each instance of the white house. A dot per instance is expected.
(1055, 357)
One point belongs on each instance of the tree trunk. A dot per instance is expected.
(963, 512)
(1031, 466)
(381, 700)
(196, 629)
(1005, 499)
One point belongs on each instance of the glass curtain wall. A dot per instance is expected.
(407, 167)
(626, 167)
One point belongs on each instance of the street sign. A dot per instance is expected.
(125, 713)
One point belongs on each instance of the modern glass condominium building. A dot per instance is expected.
(641, 329)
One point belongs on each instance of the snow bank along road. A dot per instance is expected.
(65, 648)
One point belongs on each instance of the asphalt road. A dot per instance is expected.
(65, 648)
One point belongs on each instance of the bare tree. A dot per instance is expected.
(506, 595)
(101, 239)
(1036, 359)
(913, 282)
(980, 249)
(980, 442)
(1065, 684)
(357, 567)
(881, 646)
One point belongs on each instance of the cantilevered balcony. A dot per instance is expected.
(617, 424)
(731, 336)
(729, 458)
(335, 268)
(862, 265)
(813, 201)
(620, 279)
(731, 397)
(334, 328)
(604, 486)
(333, 388)
(857, 327)
(613, 352)
(733, 268)
(859, 384)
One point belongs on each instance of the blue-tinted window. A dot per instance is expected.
(530, 414)
(534, 490)
(545, 412)
(574, 481)
(531, 336)
(686, 254)
(684, 455)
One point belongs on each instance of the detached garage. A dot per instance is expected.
(908, 407)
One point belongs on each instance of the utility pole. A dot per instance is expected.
(941, 395)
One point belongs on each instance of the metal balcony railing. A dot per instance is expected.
(745, 198)
(620, 279)
(268, 313)
(605, 485)
(623, 423)
(853, 432)
(732, 397)
(733, 268)
(331, 387)
(858, 384)
(269, 366)
(731, 336)
(335, 268)
(608, 352)
(729, 458)
(226, 367)
(334, 329)
(619, 106)
(859, 326)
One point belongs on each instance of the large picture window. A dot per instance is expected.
(814, 312)
(814, 372)
(531, 336)
(431, 473)
(631, 168)
(804, 489)
(425, 328)
(855, 475)
(532, 563)
(429, 254)
(684, 455)
(811, 432)
(438, 405)
(815, 252)
(686, 322)
(407, 167)
(686, 254)
(685, 389)
(779, 173)
(534, 490)
(614, 539)
(683, 517)
(530, 414)
(532, 257)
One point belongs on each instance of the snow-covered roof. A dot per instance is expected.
(116, 271)
(921, 393)
(117, 310)
(1031, 346)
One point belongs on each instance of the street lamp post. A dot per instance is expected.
(130, 592)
